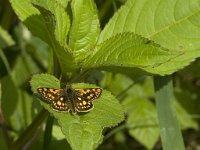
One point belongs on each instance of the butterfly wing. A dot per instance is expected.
(89, 93)
(49, 94)
(54, 96)
(84, 97)
(61, 104)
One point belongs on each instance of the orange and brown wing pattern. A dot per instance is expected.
(50, 94)
(84, 97)
(89, 93)
(65, 100)
(54, 96)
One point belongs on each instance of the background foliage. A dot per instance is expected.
(113, 44)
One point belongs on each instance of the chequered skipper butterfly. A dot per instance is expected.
(69, 99)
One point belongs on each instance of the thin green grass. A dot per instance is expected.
(169, 127)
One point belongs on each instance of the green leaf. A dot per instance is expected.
(5, 39)
(2, 140)
(5, 61)
(58, 139)
(85, 27)
(24, 67)
(30, 16)
(172, 24)
(186, 108)
(142, 120)
(57, 133)
(185, 118)
(57, 23)
(169, 126)
(129, 50)
(23, 112)
(55, 18)
(17, 106)
(9, 97)
(83, 127)
(39, 51)
(52, 26)
(64, 3)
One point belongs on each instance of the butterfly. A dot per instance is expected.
(69, 99)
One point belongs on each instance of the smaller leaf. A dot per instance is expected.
(129, 50)
(30, 17)
(57, 19)
(57, 133)
(85, 27)
(57, 24)
(142, 121)
(44, 80)
(85, 132)
(9, 97)
(5, 61)
(185, 118)
(23, 69)
(186, 107)
(5, 38)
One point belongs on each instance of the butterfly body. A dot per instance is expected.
(69, 99)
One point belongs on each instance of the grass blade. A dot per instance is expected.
(169, 127)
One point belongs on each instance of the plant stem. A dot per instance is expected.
(122, 93)
(114, 5)
(6, 135)
(115, 130)
(104, 8)
(7, 15)
(169, 127)
(54, 69)
(24, 139)
(47, 133)
(5, 61)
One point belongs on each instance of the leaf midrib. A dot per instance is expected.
(173, 23)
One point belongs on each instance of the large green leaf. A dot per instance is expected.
(85, 27)
(129, 50)
(81, 128)
(173, 24)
